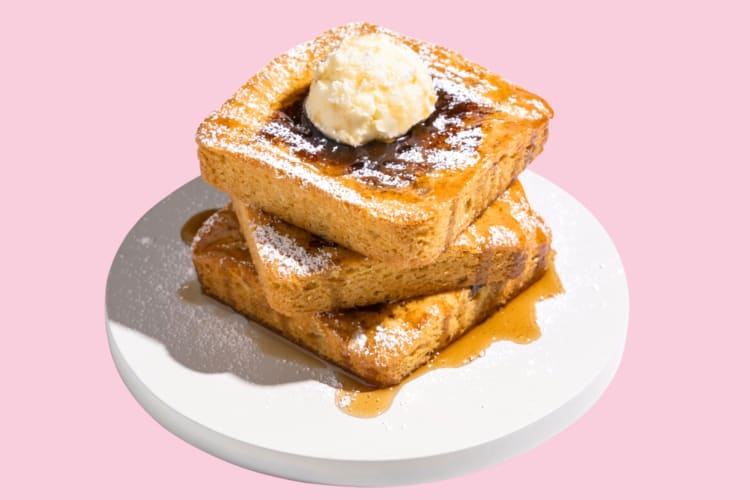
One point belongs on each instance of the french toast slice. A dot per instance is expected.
(403, 202)
(381, 344)
(300, 272)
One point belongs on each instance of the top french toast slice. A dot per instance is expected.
(404, 201)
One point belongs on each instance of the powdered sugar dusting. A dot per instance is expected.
(411, 155)
(442, 121)
(297, 143)
(527, 218)
(452, 159)
(502, 236)
(524, 112)
(392, 338)
(494, 238)
(460, 91)
(385, 342)
(288, 256)
(358, 341)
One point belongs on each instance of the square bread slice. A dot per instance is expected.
(409, 208)
(381, 344)
(300, 272)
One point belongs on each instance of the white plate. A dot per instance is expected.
(203, 373)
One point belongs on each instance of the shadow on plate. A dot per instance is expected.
(152, 289)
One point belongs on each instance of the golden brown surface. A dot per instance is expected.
(246, 151)
(381, 344)
(300, 272)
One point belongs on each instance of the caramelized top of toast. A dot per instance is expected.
(479, 118)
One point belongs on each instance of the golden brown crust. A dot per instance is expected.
(381, 344)
(300, 272)
(393, 224)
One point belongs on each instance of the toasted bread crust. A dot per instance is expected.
(299, 272)
(381, 344)
(395, 225)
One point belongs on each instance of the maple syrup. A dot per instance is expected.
(395, 164)
(516, 322)
(193, 224)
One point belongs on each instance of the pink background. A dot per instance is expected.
(99, 108)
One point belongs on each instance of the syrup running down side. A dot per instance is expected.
(449, 138)
(516, 321)
(190, 228)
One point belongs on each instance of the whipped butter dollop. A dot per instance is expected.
(370, 87)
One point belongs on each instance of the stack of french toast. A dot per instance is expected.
(377, 256)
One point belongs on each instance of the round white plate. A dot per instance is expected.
(204, 373)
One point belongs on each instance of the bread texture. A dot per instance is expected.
(300, 272)
(405, 213)
(381, 344)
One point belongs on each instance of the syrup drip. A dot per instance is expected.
(193, 224)
(516, 322)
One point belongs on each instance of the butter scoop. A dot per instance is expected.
(370, 88)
